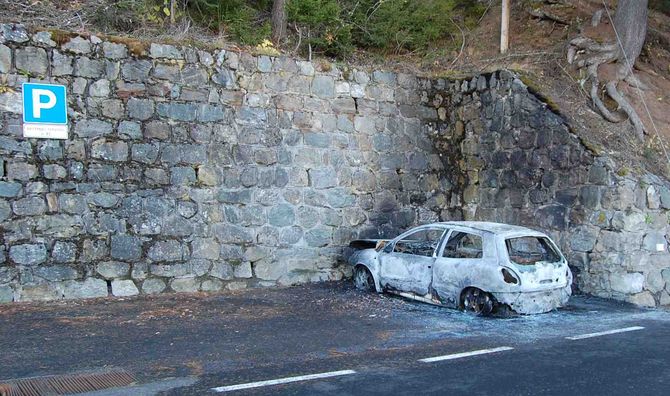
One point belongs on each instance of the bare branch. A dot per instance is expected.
(541, 14)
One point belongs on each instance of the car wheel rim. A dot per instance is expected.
(478, 302)
(362, 279)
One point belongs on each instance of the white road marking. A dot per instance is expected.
(602, 333)
(465, 354)
(286, 380)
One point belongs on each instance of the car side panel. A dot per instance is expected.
(406, 272)
(452, 275)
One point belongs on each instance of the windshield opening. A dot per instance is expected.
(531, 250)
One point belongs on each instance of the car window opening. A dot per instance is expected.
(421, 243)
(463, 245)
(531, 250)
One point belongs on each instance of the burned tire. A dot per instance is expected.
(477, 301)
(363, 279)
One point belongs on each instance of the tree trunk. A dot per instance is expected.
(278, 21)
(630, 23)
(504, 27)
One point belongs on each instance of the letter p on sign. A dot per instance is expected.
(44, 111)
(38, 104)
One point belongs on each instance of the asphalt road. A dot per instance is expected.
(361, 343)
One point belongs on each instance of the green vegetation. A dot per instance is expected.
(246, 21)
(660, 5)
(329, 27)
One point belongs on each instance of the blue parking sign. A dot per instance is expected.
(44, 111)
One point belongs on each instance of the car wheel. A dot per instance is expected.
(363, 279)
(478, 301)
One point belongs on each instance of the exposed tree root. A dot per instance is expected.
(587, 54)
(624, 105)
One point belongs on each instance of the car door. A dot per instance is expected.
(406, 264)
(463, 261)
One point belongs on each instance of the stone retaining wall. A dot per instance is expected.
(520, 163)
(192, 170)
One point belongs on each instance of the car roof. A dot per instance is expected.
(505, 230)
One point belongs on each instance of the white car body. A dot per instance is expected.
(528, 288)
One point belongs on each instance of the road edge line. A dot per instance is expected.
(603, 333)
(285, 380)
(465, 354)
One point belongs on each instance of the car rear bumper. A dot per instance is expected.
(537, 301)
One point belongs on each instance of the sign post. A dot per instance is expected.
(44, 111)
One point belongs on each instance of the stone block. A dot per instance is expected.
(232, 234)
(50, 150)
(210, 285)
(124, 288)
(136, 70)
(157, 130)
(210, 113)
(30, 206)
(234, 196)
(177, 111)
(167, 251)
(5, 59)
(61, 64)
(222, 270)
(583, 239)
(89, 288)
(126, 247)
(99, 88)
(28, 254)
(110, 151)
(318, 237)
(114, 50)
(32, 60)
(165, 51)
(323, 86)
(22, 171)
(41, 292)
(193, 153)
(140, 109)
(153, 286)
(139, 271)
(54, 172)
(103, 199)
(15, 32)
(194, 76)
(182, 175)
(91, 127)
(112, 269)
(56, 273)
(644, 299)
(6, 294)
(145, 153)
(205, 248)
(626, 283)
(90, 68)
(185, 285)
(282, 215)
(9, 189)
(5, 210)
(664, 197)
(78, 45)
(226, 78)
(653, 240)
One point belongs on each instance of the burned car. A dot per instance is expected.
(475, 266)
